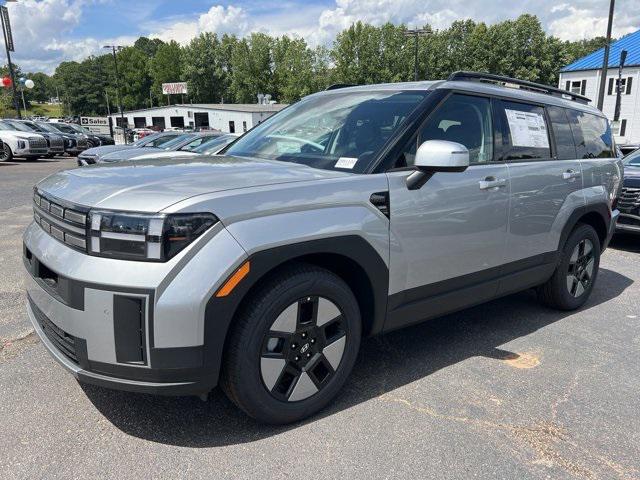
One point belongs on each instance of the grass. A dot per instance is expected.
(39, 109)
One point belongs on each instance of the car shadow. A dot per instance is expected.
(385, 363)
(626, 241)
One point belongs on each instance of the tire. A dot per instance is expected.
(573, 280)
(6, 155)
(293, 345)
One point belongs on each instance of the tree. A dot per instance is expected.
(135, 81)
(148, 46)
(202, 69)
(165, 67)
(252, 73)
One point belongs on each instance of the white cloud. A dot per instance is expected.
(44, 28)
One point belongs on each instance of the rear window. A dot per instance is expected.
(525, 133)
(591, 134)
(565, 147)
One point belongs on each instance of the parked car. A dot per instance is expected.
(70, 140)
(628, 149)
(93, 155)
(93, 139)
(55, 142)
(80, 143)
(629, 199)
(353, 212)
(182, 143)
(19, 143)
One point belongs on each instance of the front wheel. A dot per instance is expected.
(293, 345)
(6, 155)
(574, 278)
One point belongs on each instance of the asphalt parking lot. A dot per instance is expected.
(505, 390)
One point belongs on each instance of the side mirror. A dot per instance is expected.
(437, 156)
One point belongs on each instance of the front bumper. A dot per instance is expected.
(628, 223)
(615, 216)
(158, 346)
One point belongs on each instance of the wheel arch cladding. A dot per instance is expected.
(351, 257)
(597, 215)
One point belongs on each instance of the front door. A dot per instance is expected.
(448, 237)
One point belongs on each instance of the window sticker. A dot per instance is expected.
(528, 129)
(346, 162)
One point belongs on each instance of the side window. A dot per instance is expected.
(565, 148)
(463, 119)
(592, 135)
(525, 133)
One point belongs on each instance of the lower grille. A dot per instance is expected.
(82, 143)
(624, 220)
(56, 144)
(629, 199)
(64, 342)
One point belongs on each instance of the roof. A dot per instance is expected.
(593, 61)
(227, 107)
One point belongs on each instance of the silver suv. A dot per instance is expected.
(353, 212)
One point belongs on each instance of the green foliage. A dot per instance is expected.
(233, 69)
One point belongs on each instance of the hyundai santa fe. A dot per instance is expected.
(354, 212)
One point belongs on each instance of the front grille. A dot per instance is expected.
(56, 144)
(82, 143)
(629, 199)
(64, 342)
(64, 223)
(38, 144)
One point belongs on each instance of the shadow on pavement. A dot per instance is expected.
(626, 241)
(385, 363)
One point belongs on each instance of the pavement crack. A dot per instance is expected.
(10, 347)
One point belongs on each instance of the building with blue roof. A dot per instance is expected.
(584, 75)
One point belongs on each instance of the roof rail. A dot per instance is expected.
(337, 86)
(522, 84)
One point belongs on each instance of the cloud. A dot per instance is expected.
(45, 29)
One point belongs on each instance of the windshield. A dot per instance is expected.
(198, 142)
(19, 126)
(63, 128)
(177, 142)
(215, 144)
(48, 127)
(334, 131)
(633, 159)
(35, 127)
(6, 126)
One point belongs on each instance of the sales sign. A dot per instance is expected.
(96, 124)
(177, 88)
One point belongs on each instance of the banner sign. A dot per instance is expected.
(177, 88)
(96, 124)
(8, 36)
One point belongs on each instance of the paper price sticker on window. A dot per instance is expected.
(527, 129)
(346, 162)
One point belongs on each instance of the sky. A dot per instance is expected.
(47, 32)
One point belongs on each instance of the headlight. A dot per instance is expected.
(70, 142)
(138, 236)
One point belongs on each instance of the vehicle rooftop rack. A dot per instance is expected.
(336, 86)
(522, 84)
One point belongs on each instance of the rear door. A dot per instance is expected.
(546, 180)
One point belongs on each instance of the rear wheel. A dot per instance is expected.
(6, 155)
(574, 278)
(293, 346)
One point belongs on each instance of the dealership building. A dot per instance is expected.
(584, 76)
(227, 117)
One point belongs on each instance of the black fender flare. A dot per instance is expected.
(600, 208)
(219, 312)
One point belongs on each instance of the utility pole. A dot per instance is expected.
(416, 33)
(8, 43)
(623, 59)
(605, 60)
(106, 95)
(115, 63)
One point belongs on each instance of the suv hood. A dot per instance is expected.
(100, 151)
(129, 154)
(151, 186)
(19, 135)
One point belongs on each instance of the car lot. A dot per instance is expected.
(504, 390)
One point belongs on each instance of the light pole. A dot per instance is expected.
(605, 60)
(115, 63)
(8, 43)
(416, 33)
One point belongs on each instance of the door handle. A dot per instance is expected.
(492, 182)
(570, 175)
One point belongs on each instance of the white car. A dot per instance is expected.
(16, 143)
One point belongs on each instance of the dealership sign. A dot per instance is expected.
(96, 124)
(177, 88)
